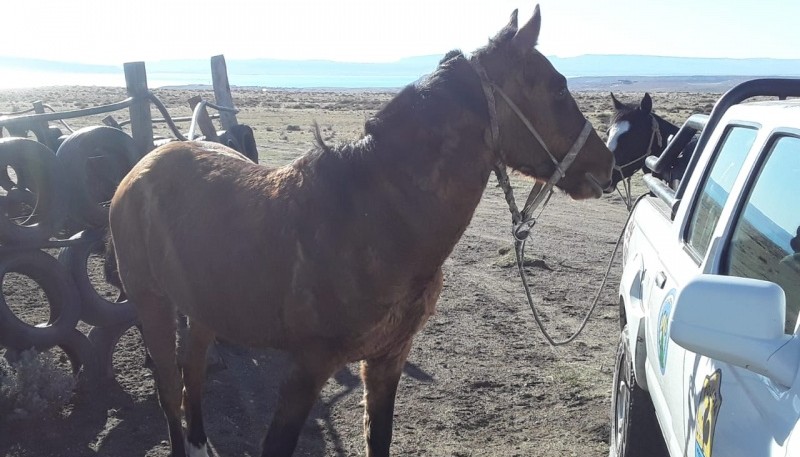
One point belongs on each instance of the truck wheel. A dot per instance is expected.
(634, 427)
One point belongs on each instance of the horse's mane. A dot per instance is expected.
(427, 104)
(432, 100)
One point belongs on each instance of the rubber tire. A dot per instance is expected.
(104, 340)
(95, 309)
(634, 428)
(240, 138)
(37, 172)
(82, 356)
(62, 296)
(73, 156)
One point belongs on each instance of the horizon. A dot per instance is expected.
(21, 73)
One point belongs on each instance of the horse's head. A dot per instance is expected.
(528, 90)
(633, 136)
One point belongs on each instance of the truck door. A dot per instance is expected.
(687, 255)
(733, 411)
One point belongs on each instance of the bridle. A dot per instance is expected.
(524, 221)
(655, 136)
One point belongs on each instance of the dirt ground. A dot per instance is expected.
(480, 380)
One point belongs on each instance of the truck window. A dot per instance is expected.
(717, 186)
(765, 243)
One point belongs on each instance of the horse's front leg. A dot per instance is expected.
(381, 377)
(297, 395)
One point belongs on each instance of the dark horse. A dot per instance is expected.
(337, 256)
(637, 132)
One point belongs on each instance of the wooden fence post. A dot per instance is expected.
(141, 119)
(41, 128)
(222, 91)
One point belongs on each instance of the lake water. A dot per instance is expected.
(11, 79)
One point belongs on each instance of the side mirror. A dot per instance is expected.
(739, 321)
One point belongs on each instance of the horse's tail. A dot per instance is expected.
(110, 267)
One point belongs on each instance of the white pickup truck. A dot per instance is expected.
(709, 348)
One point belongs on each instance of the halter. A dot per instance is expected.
(655, 135)
(524, 221)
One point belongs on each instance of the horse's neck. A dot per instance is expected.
(666, 129)
(439, 181)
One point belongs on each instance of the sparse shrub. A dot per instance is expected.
(33, 386)
(293, 128)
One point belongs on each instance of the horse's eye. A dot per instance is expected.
(563, 92)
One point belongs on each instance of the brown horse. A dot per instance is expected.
(337, 256)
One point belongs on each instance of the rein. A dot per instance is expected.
(524, 221)
(655, 135)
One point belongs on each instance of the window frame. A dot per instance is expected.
(723, 267)
(698, 257)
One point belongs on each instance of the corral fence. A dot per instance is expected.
(55, 191)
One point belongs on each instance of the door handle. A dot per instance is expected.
(661, 279)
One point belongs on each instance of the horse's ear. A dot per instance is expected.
(647, 104)
(618, 105)
(528, 35)
(512, 22)
(509, 30)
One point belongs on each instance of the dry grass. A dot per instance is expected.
(33, 386)
(282, 119)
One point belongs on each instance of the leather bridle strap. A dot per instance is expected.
(540, 194)
(655, 136)
(539, 191)
(524, 221)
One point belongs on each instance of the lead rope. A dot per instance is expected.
(540, 194)
(520, 252)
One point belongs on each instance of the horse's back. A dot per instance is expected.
(189, 225)
(266, 257)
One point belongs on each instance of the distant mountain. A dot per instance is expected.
(580, 66)
(697, 84)
(411, 67)
(638, 65)
(587, 72)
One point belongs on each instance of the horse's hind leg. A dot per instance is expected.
(158, 331)
(194, 372)
(381, 377)
(297, 395)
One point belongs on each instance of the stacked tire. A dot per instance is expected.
(61, 198)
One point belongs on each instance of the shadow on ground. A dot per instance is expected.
(238, 403)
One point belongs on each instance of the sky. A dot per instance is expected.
(113, 32)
